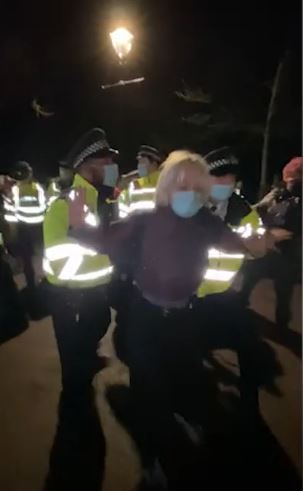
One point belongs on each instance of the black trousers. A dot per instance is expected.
(29, 238)
(283, 270)
(12, 315)
(224, 323)
(165, 372)
(80, 319)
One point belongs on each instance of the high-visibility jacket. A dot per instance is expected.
(223, 267)
(27, 205)
(66, 262)
(139, 195)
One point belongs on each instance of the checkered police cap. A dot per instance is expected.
(91, 144)
(222, 160)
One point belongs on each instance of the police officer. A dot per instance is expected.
(29, 205)
(223, 320)
(78, 276)
(78, 279)
(140, 192)
(235, 211)
(12, 315)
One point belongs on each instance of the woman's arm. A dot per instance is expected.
(110, 241)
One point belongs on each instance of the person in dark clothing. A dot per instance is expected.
(282, 207)
(12, 315)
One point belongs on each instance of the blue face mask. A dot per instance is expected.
(221, 192)
(186, 204)
(111, 175)
(143, 170)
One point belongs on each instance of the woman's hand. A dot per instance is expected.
(76, 208)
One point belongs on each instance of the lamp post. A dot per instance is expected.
(122, 41)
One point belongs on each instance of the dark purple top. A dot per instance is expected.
(169, 254)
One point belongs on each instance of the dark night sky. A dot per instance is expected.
(59, 52)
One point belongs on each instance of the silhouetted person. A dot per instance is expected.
(282, 207)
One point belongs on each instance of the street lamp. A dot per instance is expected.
(122, 41)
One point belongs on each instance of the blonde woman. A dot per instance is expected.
(165, 251)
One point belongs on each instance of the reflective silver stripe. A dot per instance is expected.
(31, 210)
(51, 200)
(71, 267)
(8, 206)
(91, 219)
(142, 205)
(244, 230)
(123, 207)
(30, 220)
(10, 218)
(62, 251)
(93, 275)
(47, 266)
(74, 253)
(139, 192)
(122, 214)
(216, 254)
(219, 275)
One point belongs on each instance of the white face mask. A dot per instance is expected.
(111, 175)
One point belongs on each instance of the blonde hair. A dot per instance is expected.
(173, 171)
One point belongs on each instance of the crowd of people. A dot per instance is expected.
(163, 247)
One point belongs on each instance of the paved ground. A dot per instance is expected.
(29, 391)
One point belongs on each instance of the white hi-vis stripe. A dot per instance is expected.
(123, 210)
(30, 220)
(71, 266)
(63, 251)
(94, 275)
(31, 210)
(244, 230)
(216, 254)
(51, 200)
(10, 218)
(218, 275)
(8, 206)
(139, 192)
(74, 253)
(46, 266)
(142, 205)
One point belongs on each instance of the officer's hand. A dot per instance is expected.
(76, 205)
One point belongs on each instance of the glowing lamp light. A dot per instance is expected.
(122, 41)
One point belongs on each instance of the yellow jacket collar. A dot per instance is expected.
(91, 194)
(149, 181)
